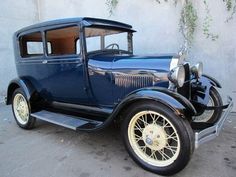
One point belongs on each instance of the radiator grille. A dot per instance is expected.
(133, 81)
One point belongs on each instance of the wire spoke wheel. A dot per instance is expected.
(211, 116)
(20, 108)
(207, 114)
(154, 138)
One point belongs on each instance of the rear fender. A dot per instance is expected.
(24, 84)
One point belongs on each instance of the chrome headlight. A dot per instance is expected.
(197, 70)
(176, 61)
(177, 76)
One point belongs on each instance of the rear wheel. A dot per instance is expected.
(21, 110)
(211, 116)
(157, 139)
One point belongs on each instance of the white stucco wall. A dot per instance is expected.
(157, 31)
(219, 57)
(13, 16)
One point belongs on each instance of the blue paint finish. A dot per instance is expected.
(85, 21)
(112, 77)
(99, 70)
(202, 97)
(136, 72)
(212, 80)
(23, 83)
(106, 80)
(58, 80)
(101, 80)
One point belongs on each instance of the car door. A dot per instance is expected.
(99, 69)
(58, 74)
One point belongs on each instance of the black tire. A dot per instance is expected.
(31, 120)
(183, 129)
(214, 114)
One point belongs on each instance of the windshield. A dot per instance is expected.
(100, 39)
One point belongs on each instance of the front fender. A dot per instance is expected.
(211, 80)
(22, 83)
(179, 104)
(203, 92)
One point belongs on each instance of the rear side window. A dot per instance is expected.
(31, 45)
(63, 41)
(34, 48)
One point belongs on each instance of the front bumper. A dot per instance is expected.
(212, 132)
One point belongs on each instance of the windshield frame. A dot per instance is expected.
(102, 40)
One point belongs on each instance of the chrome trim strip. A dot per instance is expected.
(212, 132)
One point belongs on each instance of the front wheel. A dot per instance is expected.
(211, 116)
(157, 139)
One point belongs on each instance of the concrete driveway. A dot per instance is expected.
(53, 151)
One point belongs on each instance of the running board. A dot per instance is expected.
(72, 122)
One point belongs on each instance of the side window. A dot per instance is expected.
(31, 45)
(63, 41)
(78, 51)
(93, 43)
(34, 48)
(49, 46)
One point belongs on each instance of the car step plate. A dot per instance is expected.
(75, 123)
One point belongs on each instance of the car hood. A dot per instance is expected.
(160, 62)
(141, 71)
(127, 73)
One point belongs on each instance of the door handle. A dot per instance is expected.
(45, 62)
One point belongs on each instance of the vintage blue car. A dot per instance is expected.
(81, 73)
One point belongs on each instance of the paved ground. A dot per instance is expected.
(53, 151)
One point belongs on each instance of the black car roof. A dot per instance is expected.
(87, 21)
